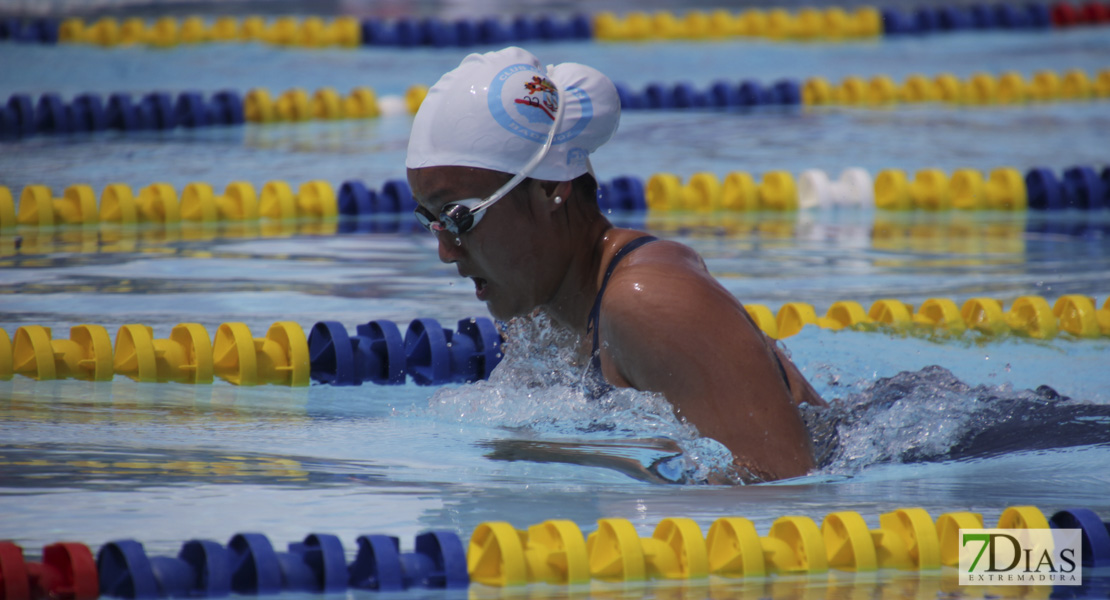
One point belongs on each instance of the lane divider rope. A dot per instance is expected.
(980, 89)
(1028, 316)
(806, 24)
(199, 202)
(433, 355)
(1005, 189)
(553, 552)
(960, 235)
(22, 116)
(378, 352)
(1080, 187)
(309, 32)
(837, 24)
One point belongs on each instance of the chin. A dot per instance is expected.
(502, 312)
(501, 315)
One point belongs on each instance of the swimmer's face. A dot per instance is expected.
(505, 254)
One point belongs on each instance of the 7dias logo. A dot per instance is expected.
(1021, 557)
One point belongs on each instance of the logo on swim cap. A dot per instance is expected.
(525, 103)
(540, 102)
(577, 156)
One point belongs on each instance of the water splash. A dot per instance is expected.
(930, 416)
(543, 392)
(543, 388)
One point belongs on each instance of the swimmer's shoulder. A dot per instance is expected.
(661, 277)
(659, 256)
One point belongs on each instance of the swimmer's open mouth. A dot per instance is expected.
(479, 287)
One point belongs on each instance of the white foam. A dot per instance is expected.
(542, 386)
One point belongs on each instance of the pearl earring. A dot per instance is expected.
(458, 241)
(558, 199)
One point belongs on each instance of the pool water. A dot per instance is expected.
(163, 463)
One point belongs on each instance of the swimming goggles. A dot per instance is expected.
(461, 216)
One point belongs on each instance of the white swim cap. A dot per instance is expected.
(495, 111)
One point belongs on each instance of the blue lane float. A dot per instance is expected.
(435, 355)
(1084, 189)
(494, 31)
(19, 119)
(87, 113)
(720, 94)
(1043, 190)
(396, 197)
(896, 22)
(926, 20)
(356, 200)
(21, 116)
(428, 352)
(658, 95)
(122, 114)
(156, 111)
(376, 353)
(953, 18)
(982, 17)
(410, 33)
(201, 569)
(30, 31)
(438, 562)
(622, 194)
(931, 19)
(1096, 534)
(1080, 188)
(191, 110)
(249, 565)
(52, 116)
(1105, 177)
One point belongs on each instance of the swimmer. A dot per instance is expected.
(498, 163)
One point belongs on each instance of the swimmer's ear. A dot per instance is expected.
(557, 193)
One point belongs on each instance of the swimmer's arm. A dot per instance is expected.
(675, 331)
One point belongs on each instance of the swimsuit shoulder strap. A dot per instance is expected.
(595, 313)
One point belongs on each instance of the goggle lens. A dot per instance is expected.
(456, 218)
(461, 216)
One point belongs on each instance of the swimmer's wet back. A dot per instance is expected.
(499, 165)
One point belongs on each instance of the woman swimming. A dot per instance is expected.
(498, 162)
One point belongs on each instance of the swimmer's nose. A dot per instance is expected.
(449, 248)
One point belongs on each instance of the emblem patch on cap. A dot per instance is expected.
(540, 100)
(525, 102)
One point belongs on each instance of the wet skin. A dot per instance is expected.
(666, 324)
